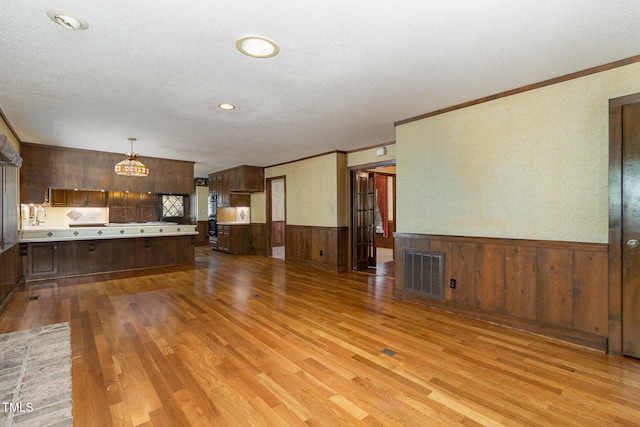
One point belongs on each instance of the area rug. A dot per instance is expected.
(35, 377)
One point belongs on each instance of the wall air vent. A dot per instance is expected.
(423, 272)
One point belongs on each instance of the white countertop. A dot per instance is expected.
(55, 233)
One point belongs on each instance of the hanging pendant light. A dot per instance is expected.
(131, 166)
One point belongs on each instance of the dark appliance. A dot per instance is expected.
(213, 213)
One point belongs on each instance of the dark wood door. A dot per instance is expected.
(364, 220)
(631, 230)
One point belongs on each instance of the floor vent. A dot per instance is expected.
(33, 298)
(388, 352)
(423, 272)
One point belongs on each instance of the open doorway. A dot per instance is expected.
(373, 189)
(276, 211)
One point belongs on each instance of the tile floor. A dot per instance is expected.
(35, 377)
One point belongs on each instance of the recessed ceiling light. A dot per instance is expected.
(257, 46)
(225, 106)
(67, 21)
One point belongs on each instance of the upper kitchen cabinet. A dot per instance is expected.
(241, 179)
(56, 167)
(77, 198)
(38, 163)
(246, 179)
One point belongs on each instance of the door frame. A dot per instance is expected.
(352, 171)
(614, 343)
(268, 206)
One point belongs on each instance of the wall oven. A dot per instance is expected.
(213, 213)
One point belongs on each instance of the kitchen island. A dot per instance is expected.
(62, 250)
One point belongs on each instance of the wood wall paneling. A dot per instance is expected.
(554, 287)
(490, 283)
(386, 242)
(319, 247)
(277, 233)
(520, 280)
(203, 233)
(259, 235)
(589, 279)
(66, 168)
(558, 289)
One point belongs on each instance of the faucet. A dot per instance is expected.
(38, 210)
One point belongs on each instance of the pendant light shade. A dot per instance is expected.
(131, 166)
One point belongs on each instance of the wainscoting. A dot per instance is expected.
(259, 244)
(557, 289)
(324, 248)
(202, 239)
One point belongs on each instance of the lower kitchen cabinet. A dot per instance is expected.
(95, 256)
(171, 250)
(41, 259)
(234, 238)
(77, 257)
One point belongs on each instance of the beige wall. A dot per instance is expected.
(202, 203)
(532, 165)
(368, 156)
(314, 190)
(258, 208)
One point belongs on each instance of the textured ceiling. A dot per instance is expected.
(347, 70)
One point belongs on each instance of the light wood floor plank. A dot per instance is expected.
(244, 340)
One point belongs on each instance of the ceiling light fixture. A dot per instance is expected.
(67, 21)
(226, 106)
(131, 166)
(257, 46)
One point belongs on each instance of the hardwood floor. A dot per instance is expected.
(246, 340)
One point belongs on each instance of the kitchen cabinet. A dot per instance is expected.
(239, 180)
(41, 259)
(75, 257)
(147, 207)
(147, 199)
(77, 198)
(240, 200)
(129, 206)
(123, 214)
(122, 198)
(94, 256)
(247, 179)
(234, 238)
(58, 198)
(86, 198)
(171, 250)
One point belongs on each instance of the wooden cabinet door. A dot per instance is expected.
(76, 198)
(147, 199)
(236, 181)
(58, 198)
(226, 188)
(122, 214)
(121, 198)
(239, 239)
(147, 213)
(42, 259)
(96, 198)
(224, 238)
